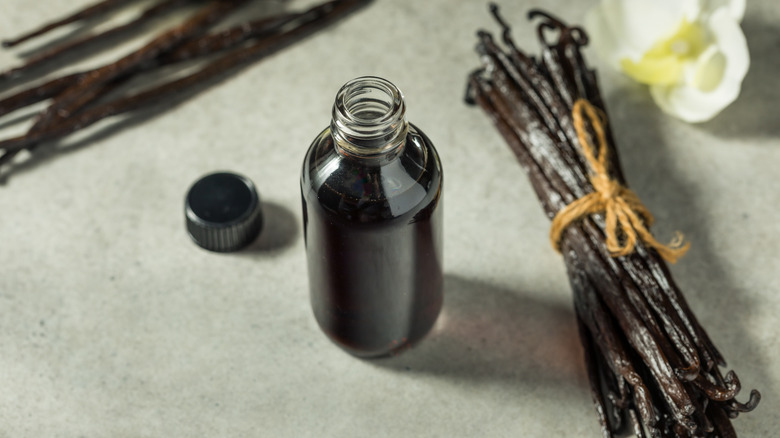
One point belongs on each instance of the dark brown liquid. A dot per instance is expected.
(373, 243)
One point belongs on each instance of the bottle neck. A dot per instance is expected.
(369, 118)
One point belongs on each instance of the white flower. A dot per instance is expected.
(692, 53)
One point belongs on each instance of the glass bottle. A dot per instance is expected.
(371, 190)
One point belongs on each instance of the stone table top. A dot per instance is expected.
(113, 323)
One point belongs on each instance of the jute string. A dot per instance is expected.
(626, 217)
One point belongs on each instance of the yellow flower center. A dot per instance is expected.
(663, 63)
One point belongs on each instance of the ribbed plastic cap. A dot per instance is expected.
(223, 212)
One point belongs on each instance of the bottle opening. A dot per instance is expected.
(370, 103)
(369, 117)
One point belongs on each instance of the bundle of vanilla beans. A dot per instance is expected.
(652, 368)
(80, 99)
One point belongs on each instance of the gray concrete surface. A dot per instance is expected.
(113, 324)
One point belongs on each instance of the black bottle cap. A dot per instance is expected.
(223, 212)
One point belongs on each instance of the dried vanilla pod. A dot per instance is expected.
(66, 49)
(195, 48)
(89, 87)
(94, 10)
(652, 368)
(78, 98)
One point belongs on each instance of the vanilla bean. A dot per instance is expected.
(231, 37)
(546, 153)
(552, 116)
(38, 93)
(590, 78)
(595, 377)
(648, 261)
(202, 46)
(598, 323)
(635, 325)
(70, 47)
(312, 20)
(198, 47)
(89, 12)
(547, 194)
(530, 162)
(89, 87)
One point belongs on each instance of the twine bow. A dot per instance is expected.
(625, 215)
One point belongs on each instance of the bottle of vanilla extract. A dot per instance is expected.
(371, 189)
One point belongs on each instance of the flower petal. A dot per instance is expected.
(693, 104)
(650, 70)
(694, 69)
(709, 70)
(665, 61)
(736, 8)
(621, 29)
(728, 36)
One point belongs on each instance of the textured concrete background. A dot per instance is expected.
(112, 323)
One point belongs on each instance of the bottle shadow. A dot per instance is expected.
(722, 305)
(486, 333)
